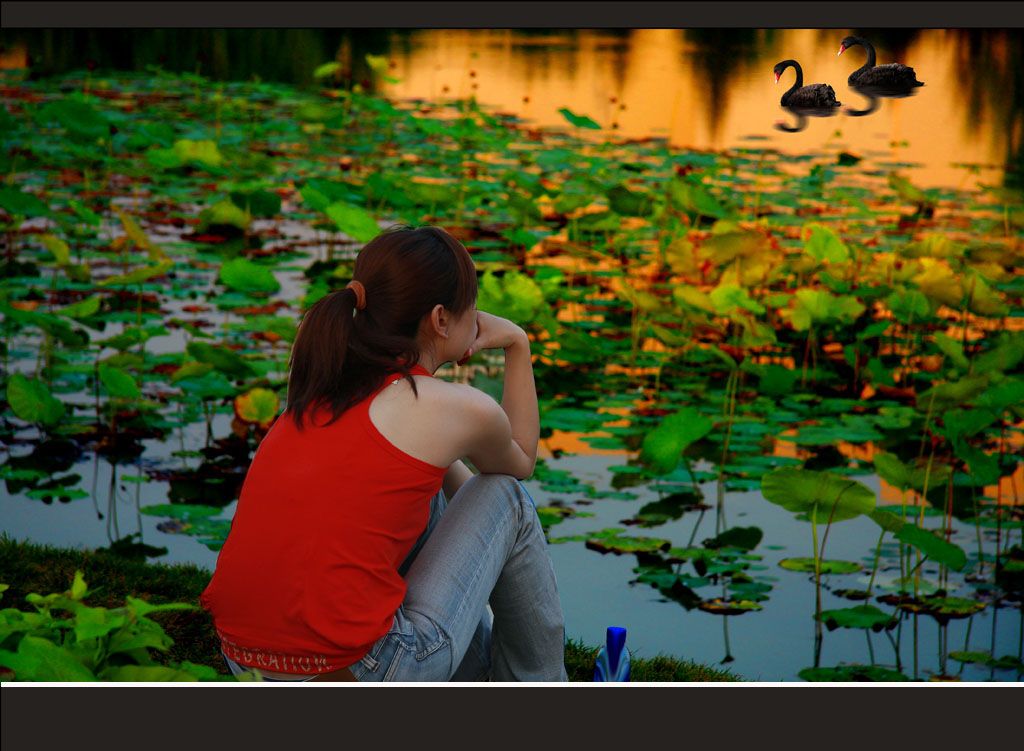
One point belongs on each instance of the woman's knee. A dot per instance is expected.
(504, 487)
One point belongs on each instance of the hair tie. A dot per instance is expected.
(360, 291)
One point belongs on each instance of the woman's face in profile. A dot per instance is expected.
(462, 333)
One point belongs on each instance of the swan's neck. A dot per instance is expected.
(799, 78)
(871, 54)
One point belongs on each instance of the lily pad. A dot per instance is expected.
(719, 606)
(852, 673)
(609, 541)
(827, 566)
(859, 616)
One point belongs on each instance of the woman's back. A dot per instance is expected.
(326, 516)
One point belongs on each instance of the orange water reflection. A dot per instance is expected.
(647, 82)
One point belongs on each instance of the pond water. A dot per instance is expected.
(713, 304)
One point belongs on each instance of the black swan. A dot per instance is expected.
(894, 75)
(815, 96)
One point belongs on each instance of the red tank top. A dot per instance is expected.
(307, 580)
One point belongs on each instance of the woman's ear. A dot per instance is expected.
(440, 319)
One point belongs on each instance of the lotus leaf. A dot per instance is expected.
(257, 202)
(852, 673)
(663, 446)
(32, 401)
(723, 248)
(81, 309)
(951, 394)
(139, 275)
(248, 277)
(222, 358)
(608, 540)
(904, 477)
(578, 121)
(119, 383)
(628, 202)
(1005, 354)
(81, 120)
(224, 214)
(826, 566)
(745, 538)
(257, 406)
(514, 296)
(15, 201)
(909, 305)
(327, 69)
(729, 297)
(203, 152)
(693, 197)
(933, 246)
(823, 244)
(353, 221)
(858, 616)
(720, 606)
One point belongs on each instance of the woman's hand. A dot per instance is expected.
(494, 332)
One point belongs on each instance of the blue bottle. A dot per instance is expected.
(613, 660)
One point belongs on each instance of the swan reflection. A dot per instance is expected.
(874, 92)
(801, 114)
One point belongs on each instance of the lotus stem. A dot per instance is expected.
(874, 566)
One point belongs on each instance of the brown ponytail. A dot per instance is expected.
(341, 354)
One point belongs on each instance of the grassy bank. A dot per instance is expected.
(28, 568)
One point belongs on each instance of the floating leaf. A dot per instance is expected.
(694, 198)
(203, 152)
(720, 606)
(745, 538)
(244, 275)
(578, 121)
(14, 201)
(628, 202)
(257, 202)
(858, 616)
(608, 540)
(223, 214)
(81, 120)
(258, 406)
(139, 275)
(222, 358)
(353, 221)
(827, 566)
(852, 673)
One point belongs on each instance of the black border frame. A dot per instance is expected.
(54, 714)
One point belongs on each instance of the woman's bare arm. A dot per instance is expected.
(503, 438)
(456, 475)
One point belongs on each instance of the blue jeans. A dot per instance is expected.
(484, 547)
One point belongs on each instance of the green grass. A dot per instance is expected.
(27, 567)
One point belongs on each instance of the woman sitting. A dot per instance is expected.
(362, 547)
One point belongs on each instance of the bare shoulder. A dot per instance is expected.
(440, 422)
